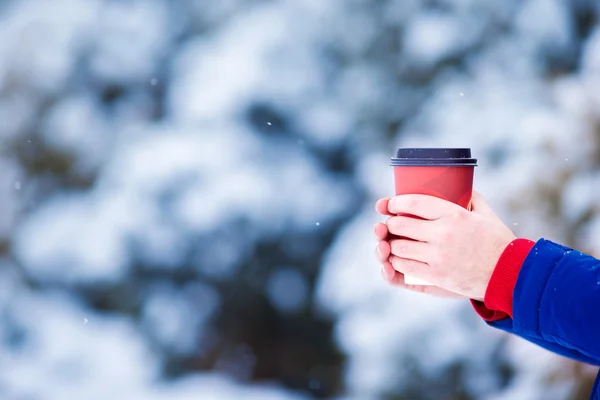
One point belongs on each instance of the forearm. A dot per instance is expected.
(554, 300)
(557, 297)
(548, 343)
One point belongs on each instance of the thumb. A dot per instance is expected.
(480, 206)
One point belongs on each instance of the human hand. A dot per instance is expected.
(452, 248)
(383, 255)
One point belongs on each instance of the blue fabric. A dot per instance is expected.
(596, 389)
(556, 303)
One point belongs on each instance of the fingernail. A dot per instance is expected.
(378, 250)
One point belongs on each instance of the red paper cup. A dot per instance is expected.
(444, 173)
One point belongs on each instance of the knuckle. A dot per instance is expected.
(404, 249)
(398, 224)
(399, 264)
(414, 202)
(405, 266)
(393, 205)
(445, 232)
(404, 204)
(410, 266)
(436, 259)
(395, 246)
(458, 215)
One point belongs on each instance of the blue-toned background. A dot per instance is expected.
(187, 191)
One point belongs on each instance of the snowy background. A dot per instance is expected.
(187, 191)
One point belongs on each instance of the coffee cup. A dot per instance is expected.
(446, 173)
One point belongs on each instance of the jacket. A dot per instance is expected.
(548, 294)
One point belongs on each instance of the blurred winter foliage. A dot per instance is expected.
(187, 191)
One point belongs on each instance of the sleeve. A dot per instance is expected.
(555, 302)
(498, 302)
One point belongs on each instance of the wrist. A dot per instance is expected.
(498, 298)
(499, 293)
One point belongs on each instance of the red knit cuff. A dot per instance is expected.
(498, 299)
(486, 313)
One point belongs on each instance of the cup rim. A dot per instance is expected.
(433, 162)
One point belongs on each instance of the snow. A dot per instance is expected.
(325, 124)
(121, 24)
(208, 79)
(65, 357)
(155, 154)
(214, 386)
(10, 175)
(287, 289)
(39, 45)
(75, 127)
(579, 196)
(555, 31)
(534, 125)
(590, 57)
(75, 240)
(177, 318)
(590, 241)
(16, 116)
(103, 356)
(432, 37)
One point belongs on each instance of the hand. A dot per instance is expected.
(388, 273)
(451, 247)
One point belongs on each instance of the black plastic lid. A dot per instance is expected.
(433, 157)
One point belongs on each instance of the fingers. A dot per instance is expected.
(382, 206)
(480, 206)
(381, 231)
(382, 251)
(395, 278)
(390, 275)
(409, 249)
(408, 227)
(411, 267)
(422, 206)
(434, 291)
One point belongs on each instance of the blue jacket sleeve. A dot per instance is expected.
(556, 302)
